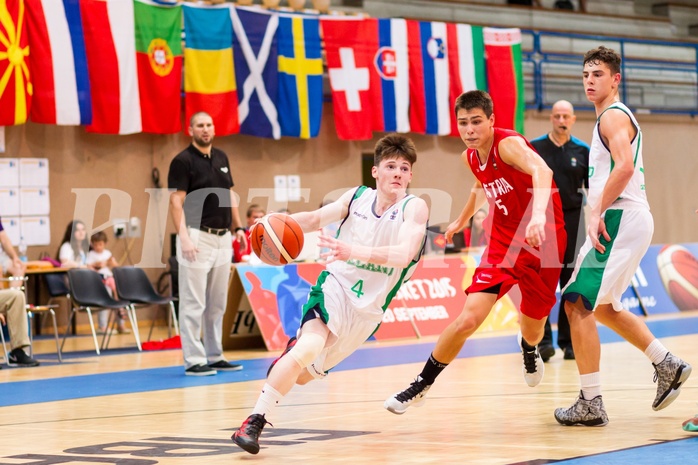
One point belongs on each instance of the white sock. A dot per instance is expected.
(656, 352)
(267, 400)
(591, 385)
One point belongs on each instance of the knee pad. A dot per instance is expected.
(307, 348)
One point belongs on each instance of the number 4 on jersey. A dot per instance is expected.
(358, 288)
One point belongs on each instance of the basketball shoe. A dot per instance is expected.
(289, 345)
(533, 366)
(669, 375)
(247, 436)
(413, 395)
(583, 413)
(691, 424)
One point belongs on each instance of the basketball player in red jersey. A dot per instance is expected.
(526, 244)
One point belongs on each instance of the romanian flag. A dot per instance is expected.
(159, 57)
(209, 77)
(505, 76)
(300, 76)
(15, 81)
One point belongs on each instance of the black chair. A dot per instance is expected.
(132, 284)
(88, 293)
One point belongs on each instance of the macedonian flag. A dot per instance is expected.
(15, 82)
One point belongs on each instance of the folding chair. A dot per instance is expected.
(132, 284)
(88, 293)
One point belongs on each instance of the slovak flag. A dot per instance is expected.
(350, 46)
(430, 111)
(391, 62)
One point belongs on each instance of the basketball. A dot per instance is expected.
(277, 239)
(678, 269)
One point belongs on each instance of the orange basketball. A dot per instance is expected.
(277, 239)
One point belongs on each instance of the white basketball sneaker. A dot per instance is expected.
(533, 366)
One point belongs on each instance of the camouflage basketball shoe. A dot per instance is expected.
(583, 413)
(669, 375)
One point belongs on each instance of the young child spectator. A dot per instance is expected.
(254, 212)
(101, 260)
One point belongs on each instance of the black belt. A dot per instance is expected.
(217, 232)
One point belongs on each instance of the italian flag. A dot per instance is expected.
(159, 58)
(505, 76)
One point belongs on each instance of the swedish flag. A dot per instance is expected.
(300, 76)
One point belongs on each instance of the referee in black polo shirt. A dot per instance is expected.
(568, 157)
(203, 209)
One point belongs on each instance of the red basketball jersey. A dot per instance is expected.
(510, 196)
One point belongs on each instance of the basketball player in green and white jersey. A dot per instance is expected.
(619, 232)
(377, 247)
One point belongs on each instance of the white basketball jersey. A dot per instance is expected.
(601, 165)
(369, 286)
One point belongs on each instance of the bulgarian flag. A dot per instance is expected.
(159, 58)
(15, 83)
(505, 76)
(466, 63)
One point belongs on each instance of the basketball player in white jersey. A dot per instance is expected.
(377, 247)
(619, 232)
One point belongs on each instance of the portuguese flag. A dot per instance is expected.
(505, 77)
(159, 59)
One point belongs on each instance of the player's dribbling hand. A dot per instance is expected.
(338, 250)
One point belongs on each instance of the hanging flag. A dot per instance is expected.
(209, 78)
(466, 58)
(391, 62)
(505, 76)
(110, 45)
(350, 46)
(159, 57)
(255, 55)
(58, 63)
(15, 81)
(429, 83)
(300, 76)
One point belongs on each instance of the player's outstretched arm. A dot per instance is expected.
(316, 219)
(400, 254)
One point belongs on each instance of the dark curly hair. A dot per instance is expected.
(608, 56)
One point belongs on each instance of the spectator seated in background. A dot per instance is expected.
(100, 259)
(13, 312)
(74, 246)
(10, 264)
(254, 212)
(475, 235)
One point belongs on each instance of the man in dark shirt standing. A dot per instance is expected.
(568, 157)
(203, 210)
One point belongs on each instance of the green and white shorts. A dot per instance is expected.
(350, 327)
(603, 278)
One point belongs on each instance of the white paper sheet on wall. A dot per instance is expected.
(33, 172)
(9, 201)
(36, 230)
(34, 201)
(11, 225)
(9, 172)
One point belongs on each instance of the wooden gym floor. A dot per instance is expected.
(137, 408)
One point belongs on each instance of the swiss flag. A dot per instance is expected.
(350, 46)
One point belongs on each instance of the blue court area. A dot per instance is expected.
(370, 356)
(682, 451)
